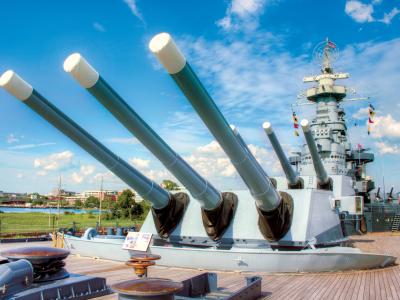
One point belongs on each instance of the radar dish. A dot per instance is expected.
(325, 53)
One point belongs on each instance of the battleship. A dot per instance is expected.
(278, 224)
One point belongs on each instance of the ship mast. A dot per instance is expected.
(329, 127)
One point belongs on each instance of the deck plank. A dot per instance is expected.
(365, 284)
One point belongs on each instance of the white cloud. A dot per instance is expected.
(98, 27)
(82, 175)
(107, 176)
(359, 11)
(54, 162)
(134, 9)
(158, 175)
(154, 173)
(388, 17)
(87, 169)
(242, 15)
(41, 173)
(30, 146)
(20, 175)
(362, 13)
(139, 163)
(211, 161)
(361, 114)
(385, 126)
(374, 70)
(249, 79)
(244, 8)
(77, 178)
(386, 148)
(11, 139)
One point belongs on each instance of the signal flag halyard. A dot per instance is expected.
(295, 123)
(371, 114)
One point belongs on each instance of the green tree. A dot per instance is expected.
(137, 210)
(92, 202)
(37, 202)
(169, 185)
(126, 199)
(78, 203)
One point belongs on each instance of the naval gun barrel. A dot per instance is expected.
(378, 193)
(268, 200)
(90, 79)
(147, 188)
(390, 195)
(291, 176)
(169, 55)
(322, 177)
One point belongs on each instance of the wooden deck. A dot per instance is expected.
(368, 284)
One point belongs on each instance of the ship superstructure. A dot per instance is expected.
(344, 165)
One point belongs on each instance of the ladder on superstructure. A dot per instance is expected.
(396, 223)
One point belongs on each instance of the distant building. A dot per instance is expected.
(71, 199)
(55, 192)
(101, 194)
(34, 196)
(13, 197)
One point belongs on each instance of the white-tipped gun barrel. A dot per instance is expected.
(261, 188)
(164, 47)
(15, 85)
(322, 176)
(291, 176)
(144, 186)
(88, 77)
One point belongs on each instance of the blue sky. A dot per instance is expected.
(250, 54)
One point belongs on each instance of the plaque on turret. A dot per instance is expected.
(137, 241)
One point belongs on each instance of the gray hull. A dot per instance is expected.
(240, 259)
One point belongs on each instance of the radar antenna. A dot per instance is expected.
(324, 54)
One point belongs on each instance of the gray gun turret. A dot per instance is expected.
(210, 198)
(167, 209)
(324, 182)
(274, 210)
(292, 177)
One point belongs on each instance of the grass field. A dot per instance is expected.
(20, 223)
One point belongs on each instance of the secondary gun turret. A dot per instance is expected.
(217, 208)
(378, 194)
(390, 195)
(323, 180)
(167, 209)
(274, 208)
(294, 181)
